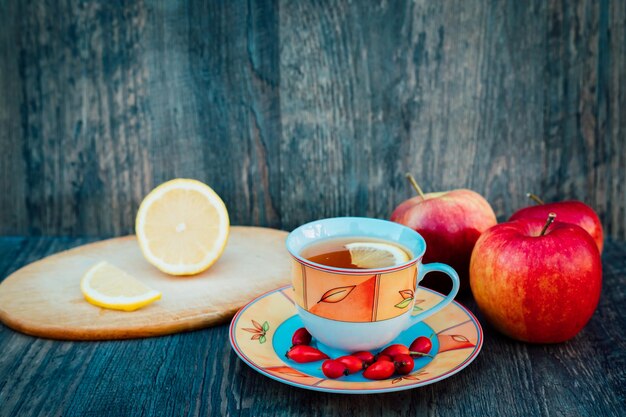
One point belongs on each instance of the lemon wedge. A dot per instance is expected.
(376, 255)
(182, 227)
(106, 286)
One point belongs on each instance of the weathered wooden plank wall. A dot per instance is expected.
(299, 110)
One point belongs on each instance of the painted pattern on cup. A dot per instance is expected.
(354, 296)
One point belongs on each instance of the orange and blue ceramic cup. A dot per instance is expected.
(360, 309)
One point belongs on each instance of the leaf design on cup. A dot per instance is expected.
(404, 303)
(406, 294)
(407, 297)
(336, 295)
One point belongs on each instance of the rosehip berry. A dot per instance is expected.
(383, 358)
(421, 345)
(305, 354)
(367, 357)
(301, 337)
(379, 370)
(334, 369)
(352, 363)
(404, 364)
(395, 350)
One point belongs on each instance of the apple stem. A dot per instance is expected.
(415, 185)
(535, 198)
(551, 218)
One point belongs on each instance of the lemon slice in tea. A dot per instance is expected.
(370, 255)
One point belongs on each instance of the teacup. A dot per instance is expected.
(360, 309)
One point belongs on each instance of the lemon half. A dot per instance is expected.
(182, 227)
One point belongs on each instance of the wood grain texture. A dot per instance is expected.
(117, 97)
(198, 374)
(300, 110)
(44, 299)
(584, 120)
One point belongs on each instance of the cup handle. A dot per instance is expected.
(425, 269)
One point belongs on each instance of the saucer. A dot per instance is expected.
(260, 334)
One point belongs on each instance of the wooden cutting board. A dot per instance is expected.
(44, 298)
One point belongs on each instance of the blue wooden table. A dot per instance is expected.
(294, 111)
(198, 374)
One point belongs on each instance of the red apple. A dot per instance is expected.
(450, 222)
(575, 212)
(534, 281)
